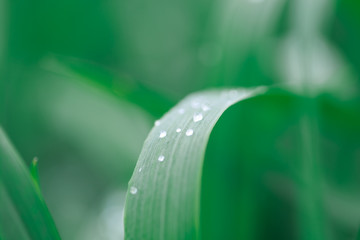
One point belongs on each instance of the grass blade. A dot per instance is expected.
(34, 170)
(11, 225)
(168, 172)
(24, 194)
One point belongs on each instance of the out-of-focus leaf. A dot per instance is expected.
(120, 85)
(345, 31)
(239, 48)
(34, 170)
(11, 225)
(87, 138)
(160, 47)
(326, 68)
(28, 202)
(61, 106)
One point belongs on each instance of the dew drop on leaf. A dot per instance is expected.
(189, 132)
(205, 107)
(195, 104)
(161, 158)
(133, 190)
(197, 117)
(178, 130)
(162, 134)
(181, 111)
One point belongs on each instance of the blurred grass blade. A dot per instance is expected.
(238, 29)
(164, 197)
(34, 170)
(23, 193)
(11, 225)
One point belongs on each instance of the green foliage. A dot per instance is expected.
(169, 169)
(81, 84)
(249, 174)
(24, 194)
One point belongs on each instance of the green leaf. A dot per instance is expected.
(238, 29)
(265, 158)
(82, 134)
(90, 119)
(24, 194)
(34, 170)
(11, 225)
(164, 197)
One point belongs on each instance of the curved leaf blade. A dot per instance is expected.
(166, 184)
(24, 194)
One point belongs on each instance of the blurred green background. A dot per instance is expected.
(81, 83)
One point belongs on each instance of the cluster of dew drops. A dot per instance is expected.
(197, 117)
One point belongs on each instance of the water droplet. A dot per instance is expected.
(205, 107)
(195, 104)
(157, 123)
(181, 111)
(161, 158)
(162, 134)
(189, 132)
(140, 169)
(197, 117)
(178, 130)
(133, 190)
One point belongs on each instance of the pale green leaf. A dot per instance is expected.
(163, 201)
